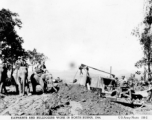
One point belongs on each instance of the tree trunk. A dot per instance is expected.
(145, 74)
(149, 70)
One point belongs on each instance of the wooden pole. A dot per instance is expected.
(97, 69)
(110, 71)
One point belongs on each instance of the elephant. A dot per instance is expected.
(20, 76)
(42, 80)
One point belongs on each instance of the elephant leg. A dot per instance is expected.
(34, 88)
(33, 82)
(3, 87)
(42, 84)
(1, 84)
(23, 80)
(45, 87)
(17, 81)
(27, 86)
(18, 84)
(23, 84)
(17, 88)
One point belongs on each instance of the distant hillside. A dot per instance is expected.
(70, 74)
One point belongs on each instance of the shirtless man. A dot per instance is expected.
(40, 68)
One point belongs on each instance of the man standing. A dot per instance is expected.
(80, 68)
(88, 79)
(121, 81)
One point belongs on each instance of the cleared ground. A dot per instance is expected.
(69, 100)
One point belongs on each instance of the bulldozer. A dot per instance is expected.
(104, 84)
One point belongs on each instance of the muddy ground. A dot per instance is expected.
(69, 100)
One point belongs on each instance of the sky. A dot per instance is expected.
(94, 32)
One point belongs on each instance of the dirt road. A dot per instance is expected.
(69, 100)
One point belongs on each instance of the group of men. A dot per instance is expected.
(39, 66)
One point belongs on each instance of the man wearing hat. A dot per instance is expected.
(18, 62)
(21, 62)
(41, 68)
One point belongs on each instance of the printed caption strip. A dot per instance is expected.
(142, 117)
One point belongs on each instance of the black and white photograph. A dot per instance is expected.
(76, 58)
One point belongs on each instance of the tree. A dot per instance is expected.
(10, 41)
(145, 38)
(35, 56)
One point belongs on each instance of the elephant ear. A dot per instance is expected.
(35, 76)
(43, 77)
(1, 69)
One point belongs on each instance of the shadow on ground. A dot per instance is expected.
(128, 104)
